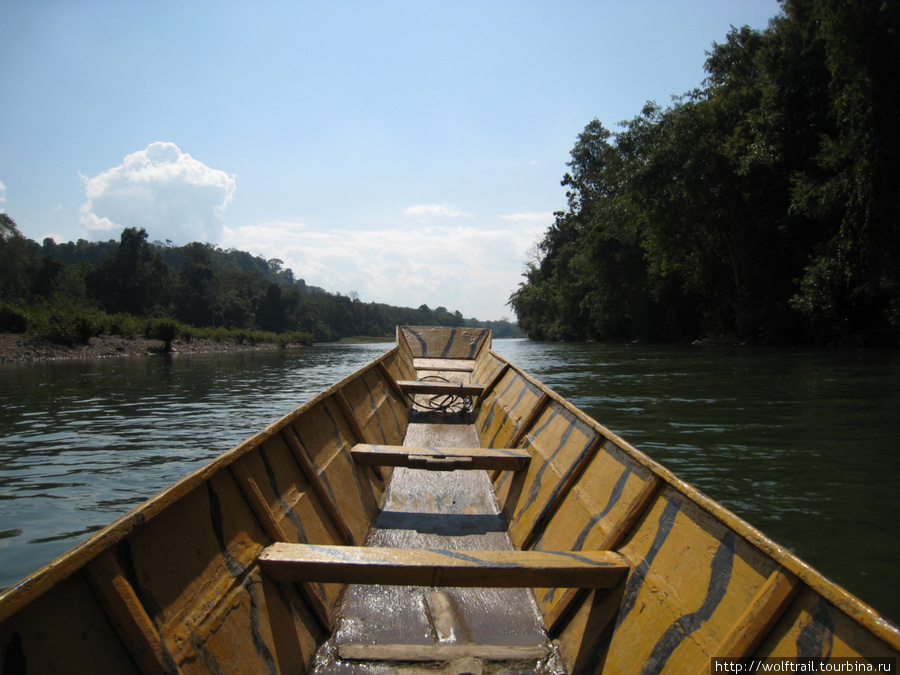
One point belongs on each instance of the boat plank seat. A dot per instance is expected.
(413, 387)
(442, 567)
(447, 365)
(441, 458)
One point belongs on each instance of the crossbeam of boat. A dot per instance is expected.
(445, 365)
(437, 567)
(442, 458)
(413, 387)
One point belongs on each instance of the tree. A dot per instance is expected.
(18, 259)
(851, 286)
(8, 228)
(271, 315)
(134, 280)
(198, 295)
(763, 205)
(197, 284)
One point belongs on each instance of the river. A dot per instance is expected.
(803, 444)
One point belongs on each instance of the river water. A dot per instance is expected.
(802, 444)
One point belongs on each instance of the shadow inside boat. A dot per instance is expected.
(452, 525)
(437, 417)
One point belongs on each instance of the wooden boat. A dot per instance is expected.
(503, 531)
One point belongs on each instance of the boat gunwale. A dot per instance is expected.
(45, 578)
(852, 606)
(28, 590)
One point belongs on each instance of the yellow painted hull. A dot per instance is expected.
(176, 585)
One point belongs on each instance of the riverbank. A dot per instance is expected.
(19, 347)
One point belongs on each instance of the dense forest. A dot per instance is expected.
(763, 207)
(76, 290)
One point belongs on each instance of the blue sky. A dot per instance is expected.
(410, 152)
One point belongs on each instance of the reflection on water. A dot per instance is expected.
(802, 444)
(84, 441)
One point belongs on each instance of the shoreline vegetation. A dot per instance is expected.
(48, 332)
(56, 331)
(27, 347)
(20, 348)
(81, 295)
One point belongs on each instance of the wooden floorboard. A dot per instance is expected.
(437, 509)
(441, 652)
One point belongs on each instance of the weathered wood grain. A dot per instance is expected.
(119, 601)
(429, 567)
(452, 365)
(478, 458)
(767, 607)
(315, 481)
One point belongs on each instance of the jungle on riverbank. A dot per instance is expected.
(762, 207)
(133, 296)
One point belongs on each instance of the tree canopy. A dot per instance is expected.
(197, 284)
(763, 205)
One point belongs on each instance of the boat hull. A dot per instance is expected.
(178, 585)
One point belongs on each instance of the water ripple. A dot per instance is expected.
(800, 443)
(83, 442)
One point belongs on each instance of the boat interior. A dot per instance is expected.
(438, 511)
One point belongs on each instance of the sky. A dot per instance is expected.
(407, 152)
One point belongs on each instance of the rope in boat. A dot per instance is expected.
(446, 403)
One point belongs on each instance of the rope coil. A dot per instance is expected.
(446, 403)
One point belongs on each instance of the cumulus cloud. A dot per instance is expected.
(162, 189)
(460, 267)
(427, 211)
(2, 193)
(544, 218)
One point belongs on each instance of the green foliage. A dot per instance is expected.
(126, 325)
(204, 291)
(12, 320)
(66, 322)
(163, 329)
(762, 206)
(19, 260)
(297, 337)
(135, 279)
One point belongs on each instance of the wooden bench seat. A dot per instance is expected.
(442, 459)
(446, 365)
(433, 567)
(413, 387)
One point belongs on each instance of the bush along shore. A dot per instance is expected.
(17, 348)
(62, 333)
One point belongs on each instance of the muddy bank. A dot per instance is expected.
(15, 347)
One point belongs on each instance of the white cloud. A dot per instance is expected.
(162, 189)
(545, 219)
(426, 211)
(2, 192)
(460, 267)
(533, 225)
